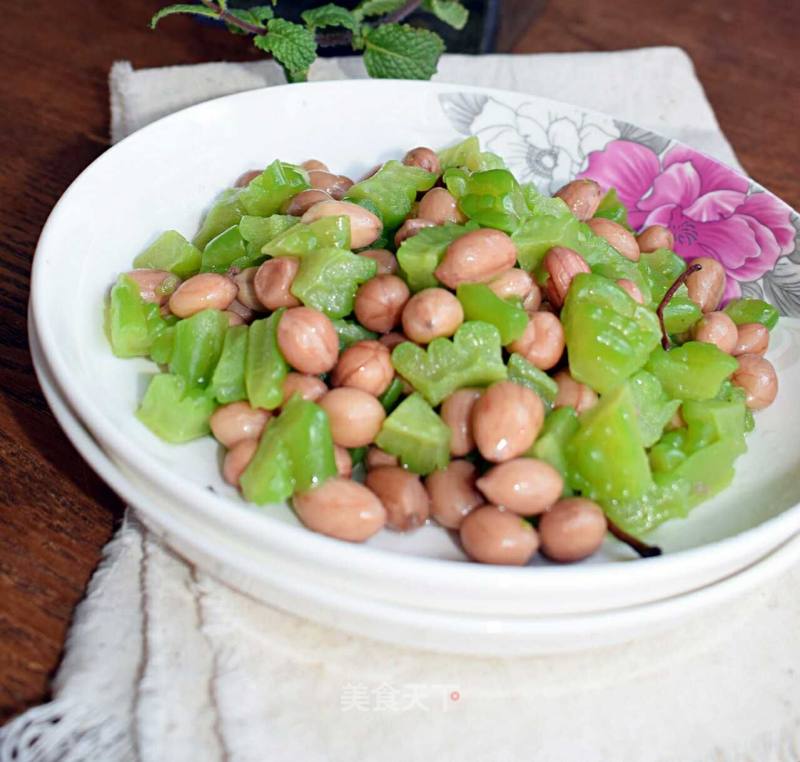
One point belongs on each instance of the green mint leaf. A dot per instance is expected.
(377, 7)
(293, 47)
(449, 11)
(329, 15)
(223, 4)
(170, 10)
(399, 51)
(262, 12)
(247, 15)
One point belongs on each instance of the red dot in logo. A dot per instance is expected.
(455, 696)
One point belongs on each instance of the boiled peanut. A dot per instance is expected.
(403, 496)
(492, 535)
(453, 494)
(506, 420)
(308, 340)
(341, 508)
(476, 257)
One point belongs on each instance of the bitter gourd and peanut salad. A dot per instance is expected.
(522, 369)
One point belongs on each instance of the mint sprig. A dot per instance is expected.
(451, 12)
(293, 47)
(330, 15)
(377, 7)
(399, 51)
(391, 49)
(171, 10)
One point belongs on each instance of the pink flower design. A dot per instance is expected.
(707, 207)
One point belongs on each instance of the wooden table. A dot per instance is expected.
(55, 514)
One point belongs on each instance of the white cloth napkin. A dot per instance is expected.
(652, 87)
(165, 663)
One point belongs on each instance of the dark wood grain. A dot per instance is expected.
(55, 515)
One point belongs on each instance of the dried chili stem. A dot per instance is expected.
(642, 548)
(671, 291)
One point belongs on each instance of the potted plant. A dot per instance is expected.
(295, 33)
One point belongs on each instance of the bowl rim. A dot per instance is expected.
(295, 539)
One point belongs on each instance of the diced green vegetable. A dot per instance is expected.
(520, 371)
(328, 279)
(227, 383)
(540, 233)
(693, 371)
(170, 251)
(609, 336)
(709, 470)
(481, 303)
(393, 189)
(390, 397)
(307, 436)
(265, 367)
(494, 199)
(550, 446)
(302, 239)
(455, 180)
(258, 232)
(174, 412)
(553, 225)
(667, 498)
(132, 323)
(680, 315)
(223, 250)
(654, 409)
(198, 345)
(473, 358)
(163, 346)
(713, 439)
(710, 421)
(729, 392)
(660, 269)
(668, 453)
(752, 311)
(613, 209)
(605, 260)
(275, 185)
(226, 210)
(349, 332)
(539, 204)
(421, 254)
(126, 320)
(468, 154)
(295, 454)
(605, 457)
(268, 477)
(698, 459)
(416, 435)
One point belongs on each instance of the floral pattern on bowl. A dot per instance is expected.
(711, 209)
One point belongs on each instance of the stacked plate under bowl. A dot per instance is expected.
(399, 588)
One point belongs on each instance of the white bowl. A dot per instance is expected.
(436, 631)
(162, 177)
